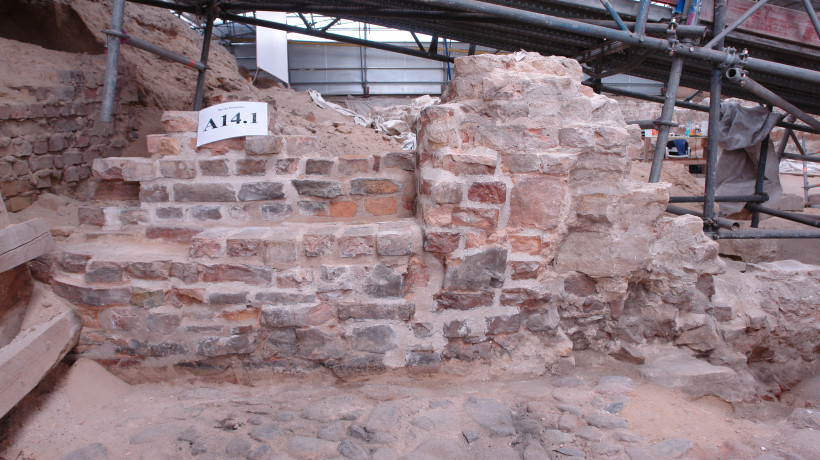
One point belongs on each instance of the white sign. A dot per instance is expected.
(232, 119)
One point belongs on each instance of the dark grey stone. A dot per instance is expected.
(478, 271)
(606, 421)
(373, 339)
(352, 451)
(567, 382)
(321, 188)
(332, 432)
(382, 282)
(570, 451)
(261, 191)
(265, 433)
(238, 447)
(94, 451)
(671, 448)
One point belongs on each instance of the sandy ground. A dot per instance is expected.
(601, 409)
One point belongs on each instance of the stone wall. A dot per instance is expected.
(511, 238)
(49, 142)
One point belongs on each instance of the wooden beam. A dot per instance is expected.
(26, 360)
(20, 243)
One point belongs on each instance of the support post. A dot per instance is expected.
(761, 178)
(812, 15)
(111, 63)
(719, 37)
(713, 133)
(206, 47)
(640, 20)
(666, 117)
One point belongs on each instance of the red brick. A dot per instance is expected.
(476, 217)
(442, 242)
(524, 269)
(488, 192)
(176, 234)
(343, 208)
(180, 122)
(381, 206)
(528, 244)
(536, 202)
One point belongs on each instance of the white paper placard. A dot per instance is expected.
(232, 119)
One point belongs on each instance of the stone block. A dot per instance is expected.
(506, 324)
(394, 239)
(530, 299)
(187, 272)
(427, 362)
(70, 262)
(383, 282)
(525, 243)
(403, 160)
(261, 191)
(248, 274)
(318, 242)
(103, 272)
(156, 270)
(385, 311)
(276, 211)
(488, 192)
(362, 186)
(437, 216)
(349, 165)
(206, 213)
(317, 167)
(163, 145)
(441, 242)
(381, 206)
(283, 298)
(357, 241)
(286, 166)
(217, 168)
(281, 249)
(251, 167)
(299, 316)
(320, 188)
(179, 121)
(147, 298)
(463, 300)
(469, 165)
(264, 145)
(154, 193)
(247, 243)
(177, 169)
(91, 297)
(169, 213)
(162, 323)
(204, 193)
(295, 278)
(312, 208)
(228, 298)
(91, 216)
(524, 269)
(373, 339)
(475, 217)
(125, 169)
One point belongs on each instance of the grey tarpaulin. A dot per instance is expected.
(742, 131)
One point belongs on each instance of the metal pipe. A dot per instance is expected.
(794, 156)
(714, 41)
(761, 176)
(675, 48)
(721, 222)
(715, 93)
(689, 105)
(739, 76)
(154, 49)
(614, 15)
(765, 234)
(640, 19)
(111, 63)
(792, 216)
(335, 37)
(652, 28)
(666, 118)
(206, 47)
(812, 15)
(720, 199)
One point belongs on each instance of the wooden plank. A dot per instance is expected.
(20, 243)
(770, 21)
(26, 360)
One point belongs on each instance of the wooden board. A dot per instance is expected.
(770, 21)
(20, 243)
(26, 360)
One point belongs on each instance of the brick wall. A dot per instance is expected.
(49, 143)
(512, 237)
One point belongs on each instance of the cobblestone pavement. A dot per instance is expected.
(591, 413)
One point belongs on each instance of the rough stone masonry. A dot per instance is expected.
(514, 237)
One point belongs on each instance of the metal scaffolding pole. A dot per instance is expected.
(666, 118)
(739, 76)
(714, 125)
(206, 47)
(111, 63)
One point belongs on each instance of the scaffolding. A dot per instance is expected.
(766, 51)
